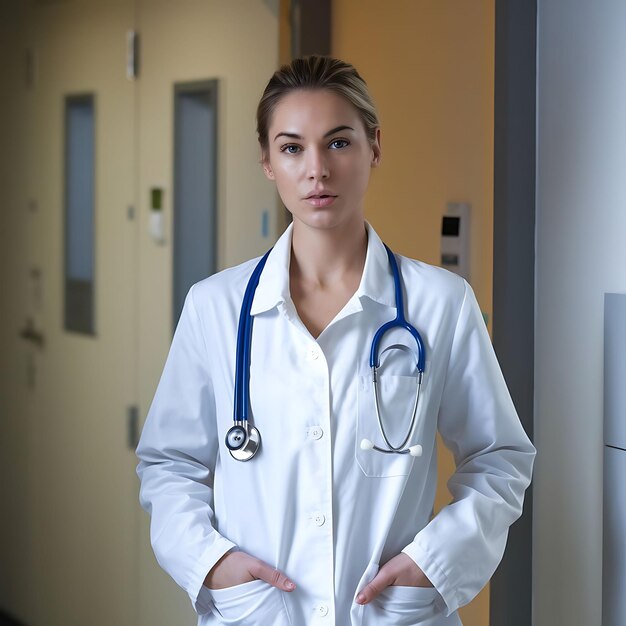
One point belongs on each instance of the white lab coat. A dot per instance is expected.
(312, 503)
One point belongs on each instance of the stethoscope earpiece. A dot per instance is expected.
(415, 450)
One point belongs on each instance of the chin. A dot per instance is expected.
(326, 221)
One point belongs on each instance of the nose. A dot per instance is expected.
(317, 164)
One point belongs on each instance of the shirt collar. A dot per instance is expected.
(273, 288)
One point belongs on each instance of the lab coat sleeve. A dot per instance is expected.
(177, 452)
(462, 545)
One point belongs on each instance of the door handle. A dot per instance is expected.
(30, 333)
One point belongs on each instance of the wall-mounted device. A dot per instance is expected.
(156, 225)
(455, 239)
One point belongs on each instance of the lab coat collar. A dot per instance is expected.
(377, 280)
(273, 288)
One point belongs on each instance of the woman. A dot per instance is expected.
(324, 524)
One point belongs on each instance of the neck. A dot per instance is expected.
(326, 257)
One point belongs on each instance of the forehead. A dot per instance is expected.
(313, 110)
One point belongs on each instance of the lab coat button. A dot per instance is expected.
(322, 610)
(314, 353)
(319, 519)
(316, 432)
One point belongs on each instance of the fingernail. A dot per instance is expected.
(289, 585)
(360, 598)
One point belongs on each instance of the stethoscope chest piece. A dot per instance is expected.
(243, 442)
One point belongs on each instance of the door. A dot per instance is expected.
(79, 316)
(90, 260)
(202, 61)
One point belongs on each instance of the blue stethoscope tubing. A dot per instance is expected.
(244, 343)
(399, 321)
(243, 440)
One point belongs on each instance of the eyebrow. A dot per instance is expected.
(328, 134)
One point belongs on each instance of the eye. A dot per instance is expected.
(290, 148)
(336, 144)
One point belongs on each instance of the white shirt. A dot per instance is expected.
(312, 503)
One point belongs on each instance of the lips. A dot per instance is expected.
(320, 198)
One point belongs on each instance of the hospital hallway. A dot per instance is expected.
(131, 171)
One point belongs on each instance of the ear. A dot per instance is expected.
(376, 150)
(267, 168)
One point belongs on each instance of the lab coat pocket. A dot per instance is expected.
(405, 606)
(396, 401)
(255, 603)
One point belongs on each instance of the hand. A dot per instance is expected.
(401, 570)
(236, 568)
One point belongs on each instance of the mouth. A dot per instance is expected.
(320, 195)
(320, 200)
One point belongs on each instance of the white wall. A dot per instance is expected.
(581, 253)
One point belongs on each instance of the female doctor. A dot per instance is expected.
(316, 507)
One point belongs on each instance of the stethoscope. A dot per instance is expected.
(243, 440)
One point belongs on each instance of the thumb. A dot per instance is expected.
(376, 585)
(274, 577)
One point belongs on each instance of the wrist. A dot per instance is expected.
(208, 578)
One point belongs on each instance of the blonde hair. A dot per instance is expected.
(316, 72)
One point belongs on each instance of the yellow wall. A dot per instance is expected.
(430, 67)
